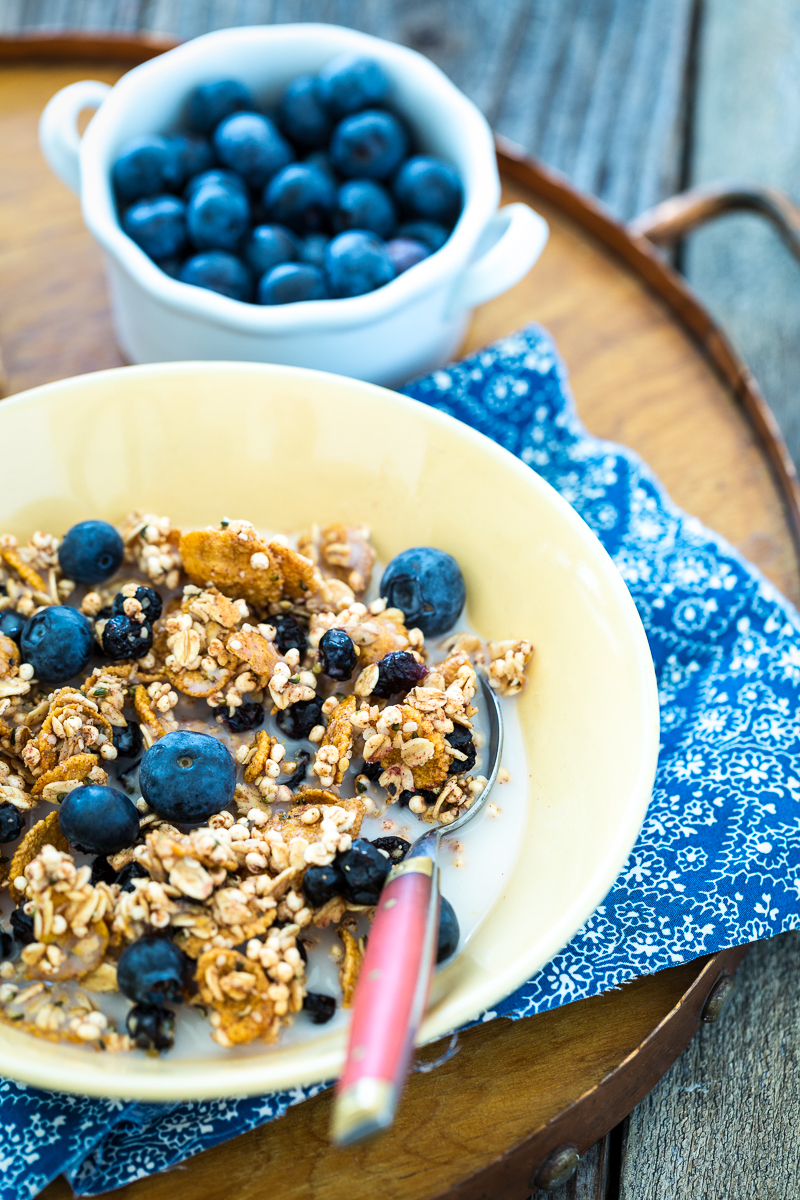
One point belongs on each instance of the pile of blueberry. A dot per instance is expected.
(59, 641)
(321, 199)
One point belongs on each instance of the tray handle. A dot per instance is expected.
(58, 128)
(678, 215)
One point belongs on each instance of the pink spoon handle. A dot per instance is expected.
(390, 1001)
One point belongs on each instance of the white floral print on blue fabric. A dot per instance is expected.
(718, 860)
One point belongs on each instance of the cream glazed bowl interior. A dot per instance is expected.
(408, 327)
(284, 447)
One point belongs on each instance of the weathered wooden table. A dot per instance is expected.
(630, 98)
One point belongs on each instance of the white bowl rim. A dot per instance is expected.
(482, 191)
(155, 1081)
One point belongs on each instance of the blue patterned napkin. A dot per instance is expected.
(718, 859)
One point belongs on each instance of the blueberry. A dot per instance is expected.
(301, 114)
(370, 144)
(123, 639)
(312, 249)
(151, 1028)
(152, 971)
(372, 770)
(289, 634)
(337, 654)
(405, 253)
(131, 871)
(22, 927)
(91, 552)
(212, 102)
(319, 1007)
(398, 671)
(429, 189)
(102, 871)
(461, 739)
(428, 586)
(98, 819)
(364, 204)
(364, 869)
(302, 197)
(269, 246)
(247, 716)
(146, 167)
(217, 217)
(127, 740)
(356, 263)
(302, 758)
(321, 884)
(290, 283)
(297, 721)
(405, 797)
(149, 599)
(219, 176)
(253, 146)
(449, 933)
(428, 232)
(396, 847)
(157, 225)
(194, 154)
(351, 82)
(11, 624)
(57, 642)
(218, 271)
(11, 822)
(186, 777)
(6, 944)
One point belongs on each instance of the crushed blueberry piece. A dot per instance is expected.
(337, 654)
(461, 739)
(319, 1007)
(398, 672)
(299, 719)
(396, 847)
(289, 634)
(123, 638)
(151, 1027)
(247, 716)
(12, 822)
(302, 758)
(22, 926)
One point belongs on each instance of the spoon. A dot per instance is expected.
(395, 977)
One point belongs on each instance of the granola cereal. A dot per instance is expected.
(227, 624)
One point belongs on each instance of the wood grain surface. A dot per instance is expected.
(747, 126)
(723, 1122)
(466, 1115)
(688, 430)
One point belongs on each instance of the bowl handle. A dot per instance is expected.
(58, 128)
(516, 236)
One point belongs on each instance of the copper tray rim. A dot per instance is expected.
(613, 1097)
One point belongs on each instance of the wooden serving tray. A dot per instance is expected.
(648, 368)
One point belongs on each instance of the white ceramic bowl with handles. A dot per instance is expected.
(411, 325)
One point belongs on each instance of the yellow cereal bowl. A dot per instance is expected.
(283, 447)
